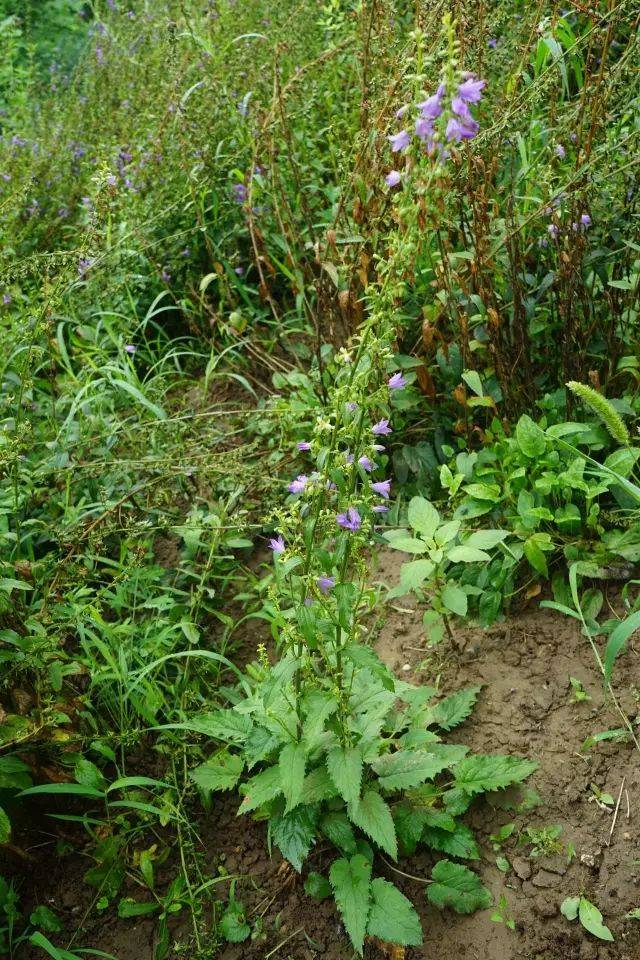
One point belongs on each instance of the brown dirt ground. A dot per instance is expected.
(525, 708)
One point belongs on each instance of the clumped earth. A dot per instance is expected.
(525, 708)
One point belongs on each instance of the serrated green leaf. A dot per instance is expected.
(218, 773)
(480, 773)
(351, 883)
(233, 923)
(337, 828)
(392, 917)
(292, 764)
(591, 919)
(318, 786)
(294, 832)
(317, 886)
(423, 517)
(373, 816)
(457, 887)
(345, 769)
(459, 843)
(406, 768)
(262, 788)
(454, 709)
(409, 823)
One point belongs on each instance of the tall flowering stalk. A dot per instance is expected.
(342, 489)
(333, 732)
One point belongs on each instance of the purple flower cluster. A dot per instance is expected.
(460, 123)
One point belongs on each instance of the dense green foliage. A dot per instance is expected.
(209, 276)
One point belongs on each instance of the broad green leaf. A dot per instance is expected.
(467, 554)
(569, 907)
(373, 816)
(447, 532)
(483, 491)
(393, 918)
(457, 887)
(337, 828)
(530, 437)
(351, 883)
(423, 517)
(409, 823)
(472, 380)
(536, 557)
(317, 886)
(414, 573)
(88, 774)
(617, 642)
(406, 768)
(405, 543)
(591, 919)
(294, 832)
(479, 773)
(486, 539)
(454, 598)
(292, 766)
(262, 788)
(345, 769)
(456, 708)
(219, 773)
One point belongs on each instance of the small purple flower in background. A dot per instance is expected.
(349, 457)
(298, 485)
(396, 382)
(560, 151)
(351, 406)
(493, 43)
(6, 299)
(393, 178)
(349, 520)
(383, 487)
(366, 464)
(308, 601)
(239, 192)
(111, 4)
(112, 180)
(239, 271)
(380, 508)
(304, 445)
(63, 212)
(325, 584)
(573, 137)
(553, 230)
(277, 544)
(381, 428)
(399, 141)
(585, 220)
(166, 276)
(84, 264)
(186, 252)
(401, 112)
(99, 56)
(130, 348)
(6, 177)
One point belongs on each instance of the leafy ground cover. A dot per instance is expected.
(320, 496)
